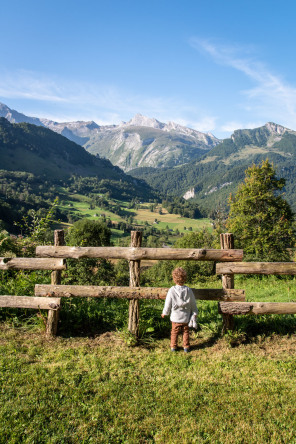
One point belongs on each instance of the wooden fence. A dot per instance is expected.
(231, 301)
(230, 308)
(134, 254)
(54, 258)
(52, 304)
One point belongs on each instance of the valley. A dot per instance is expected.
(149, 217)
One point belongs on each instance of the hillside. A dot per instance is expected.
(218, 173)
(38, 150)
(35, 162)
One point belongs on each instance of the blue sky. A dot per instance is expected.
(214, 65)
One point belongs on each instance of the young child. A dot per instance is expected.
(180, 302)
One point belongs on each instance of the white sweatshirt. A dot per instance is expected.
(180, 302)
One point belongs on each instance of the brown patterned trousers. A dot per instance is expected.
(178, 328)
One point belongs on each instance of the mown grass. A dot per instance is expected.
(172, 221)
(102, 391)
(88, 385)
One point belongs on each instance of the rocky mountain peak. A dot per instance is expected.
(15, 117)
(140, 120)
(275, 128)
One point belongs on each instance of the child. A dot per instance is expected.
(180, 302)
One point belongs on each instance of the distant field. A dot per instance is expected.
(173, 221)
(81, 205)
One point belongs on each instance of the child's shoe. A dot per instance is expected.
(173, 349)
(187, 350)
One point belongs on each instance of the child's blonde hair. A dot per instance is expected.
(179, 276)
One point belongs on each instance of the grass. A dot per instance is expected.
(81, 205)
(100, 390)
(173, 221)
(239, 388)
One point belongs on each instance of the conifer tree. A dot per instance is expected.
(260, 218)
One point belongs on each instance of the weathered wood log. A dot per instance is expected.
(59, 240)
(30, 302)
(134, 268)
(257, 268)
(31, 263)
(227, 242)
(53, 316)
(241, 308)
(136, 254)
(134, 292)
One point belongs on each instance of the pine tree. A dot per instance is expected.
(259, 217)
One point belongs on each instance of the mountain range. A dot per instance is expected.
(51, 156)
(211, 179)
(141, 142)
(177, 160)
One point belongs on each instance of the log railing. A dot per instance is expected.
(258, 308)
(134, 254)
(257, 268)
(86, 291)
(31, 263)
(231, 301)
(42, 303)
(52, 304)
(139, 253)
(230, 308)
(54, 258)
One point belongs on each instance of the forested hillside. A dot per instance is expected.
(37, 165)
(218, 173)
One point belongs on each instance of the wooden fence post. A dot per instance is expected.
(227, 242)
(53, 315)
(134, 267)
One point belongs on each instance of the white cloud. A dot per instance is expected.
(229, 127)
(27, 85)
(271, 98)
(83, 101)
(206, 124)
(66, 100)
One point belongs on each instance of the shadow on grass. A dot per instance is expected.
(90, 317)
(207, 342)
(267, 325)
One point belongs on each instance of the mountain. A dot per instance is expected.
(140, 142)
(16, 117)
(147, 142)
(38, 150)
(210, 180)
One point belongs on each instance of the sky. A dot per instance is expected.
(212, 65)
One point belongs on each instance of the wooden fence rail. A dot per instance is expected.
(257, 268)
(31, 263)
(44, 303)
(258, 308)
(140, 253)
(231, 301)
(230, 308)
(133, 292)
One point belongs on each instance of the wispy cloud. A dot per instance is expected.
(104, 102)
(270, 97)
(67, 100)
(207, 123)
(27, 85)
(233, 125)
